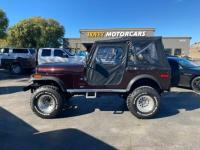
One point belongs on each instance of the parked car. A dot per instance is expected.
(82, 53)
(137, 70)
(185, 73)
(1, 53)
(18, 59)
(51, 55)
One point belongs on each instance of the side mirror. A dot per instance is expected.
(101, 70)
(180, 67)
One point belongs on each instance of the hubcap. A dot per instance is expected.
(145, 104)
(196, 85)
(46, 104)
(16, 68)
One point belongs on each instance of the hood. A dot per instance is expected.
(60, 68)
(194, 70)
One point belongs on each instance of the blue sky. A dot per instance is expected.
(169, 17)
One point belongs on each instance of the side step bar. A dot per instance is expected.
(91, 95)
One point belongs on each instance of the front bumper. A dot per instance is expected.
(30, 86)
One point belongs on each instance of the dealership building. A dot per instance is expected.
(173, 45)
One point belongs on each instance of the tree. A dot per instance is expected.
(3, 24)
(3, 43)
(36, 32)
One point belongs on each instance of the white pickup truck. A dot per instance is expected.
(52, 55)
(16, 60)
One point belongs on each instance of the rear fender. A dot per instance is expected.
(144, 76)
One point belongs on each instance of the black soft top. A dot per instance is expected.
(124, 39)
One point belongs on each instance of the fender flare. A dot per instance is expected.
(146, 76)
(54, 79)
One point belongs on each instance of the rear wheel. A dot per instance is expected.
(16, 69)
(47, 102)
(195, 84)
(143, 102)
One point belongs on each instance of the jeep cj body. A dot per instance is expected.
(134, 67)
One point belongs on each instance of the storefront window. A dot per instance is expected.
(168, 51)
(177, 52)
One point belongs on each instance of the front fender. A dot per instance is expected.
(34, 83)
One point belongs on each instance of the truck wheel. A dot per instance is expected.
(16, 69)
(47, 102)
(143, 102)
(195, 84)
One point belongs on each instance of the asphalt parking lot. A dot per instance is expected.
(102, 123)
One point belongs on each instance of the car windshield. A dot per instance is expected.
(67, 51)
(82, 53)
(32, 51)
(186, 63)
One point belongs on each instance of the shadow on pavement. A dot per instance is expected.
(10, 89)
(79, 105)
(172, 102)
(15, 134)
(5, 75)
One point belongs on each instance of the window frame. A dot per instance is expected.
(179, 51)
(46, 55)
(108, 46)
(4, 50)
(64, 56)
(138, 62)
(17, 50)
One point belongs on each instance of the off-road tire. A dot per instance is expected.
(56, 96)
(132, 101)
(197, 90)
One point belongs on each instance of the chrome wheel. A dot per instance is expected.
(196, 84)
(46, 104)
(145, 104)
(16, 69)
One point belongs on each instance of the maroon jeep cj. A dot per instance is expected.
(134, 67)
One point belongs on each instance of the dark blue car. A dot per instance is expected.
(184, 73)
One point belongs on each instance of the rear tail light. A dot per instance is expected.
(164, 75)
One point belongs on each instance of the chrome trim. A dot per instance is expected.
(91, 97)
(97, 90)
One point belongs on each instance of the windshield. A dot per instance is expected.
(32, 51)
(67, 51)
(187, 64)
(82, 53)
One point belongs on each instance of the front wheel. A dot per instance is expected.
(143, 102)
(195, 84)
(47, 102)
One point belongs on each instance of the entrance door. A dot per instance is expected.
(107, 65)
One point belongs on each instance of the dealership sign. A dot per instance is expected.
(101, 34)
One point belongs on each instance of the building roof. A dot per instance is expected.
(177, 37)
(122, 29)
